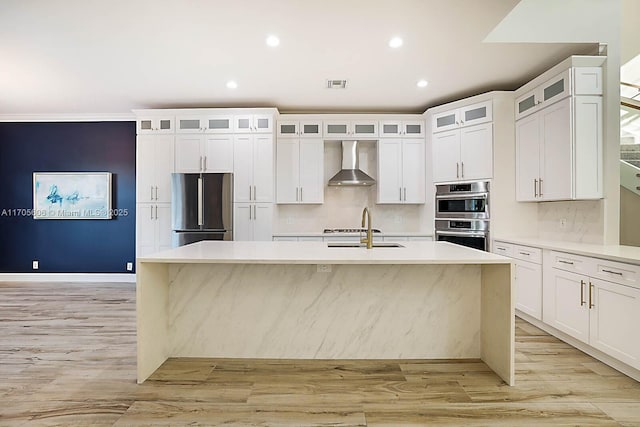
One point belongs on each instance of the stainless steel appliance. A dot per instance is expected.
(472, 233)
(467, 200)
(350, 174)
(201, 207)
(462, 214)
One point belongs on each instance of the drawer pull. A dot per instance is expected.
(612, 272)
(565, 262)
(582, 301)
(525, 253)
(591, 304)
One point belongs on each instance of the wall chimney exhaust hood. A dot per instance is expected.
(350, 174)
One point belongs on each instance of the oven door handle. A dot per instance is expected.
(465, 196)
(462, 233)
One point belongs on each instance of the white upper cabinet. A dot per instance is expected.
(401, 171)
(559, 139)
(463, 154)
(204, 153)
(218, 124)
(466, 116)
(401, 128)
(154, 162)
(253, 123)
(253, 168)
(299, 129)
(149, 125)
(190, 124)
(340, 129)
(299, 171)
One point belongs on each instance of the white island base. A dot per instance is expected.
(428, 300)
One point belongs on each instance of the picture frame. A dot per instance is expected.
(72, 195)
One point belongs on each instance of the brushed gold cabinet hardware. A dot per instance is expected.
(540, 187)
(582, 301)
(591, 303)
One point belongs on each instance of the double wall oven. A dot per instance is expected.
(462, 214)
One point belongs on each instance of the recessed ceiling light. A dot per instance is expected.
(273, 41)
(395, 42)
(422, 83)
(232, 84)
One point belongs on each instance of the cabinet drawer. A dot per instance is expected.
(501, 248)
(570, 262)
(527, 253)
(617, 272)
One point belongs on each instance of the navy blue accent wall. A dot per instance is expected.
(66, 246)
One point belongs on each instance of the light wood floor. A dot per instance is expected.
(67, 357)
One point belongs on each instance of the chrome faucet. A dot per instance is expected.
(366, 215)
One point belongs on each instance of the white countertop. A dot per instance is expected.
(381, 234)
(207, 252)
(629, 254)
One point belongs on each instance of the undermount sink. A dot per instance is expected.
(363, 245)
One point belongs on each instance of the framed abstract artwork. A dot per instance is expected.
(72, 195)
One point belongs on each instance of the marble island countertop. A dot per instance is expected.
(208, 252)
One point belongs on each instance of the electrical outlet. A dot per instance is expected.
(563, 223)
(35, 265)
(129, 266)
(324, 268)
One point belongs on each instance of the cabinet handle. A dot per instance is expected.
(296, 194)
(301, 194)
(582, 301)
(565, 262)
(591, 303)
(250, 198)
(535, 188)
(255, 197)
(250, 213)
(156, 192)
(462, 168)
(205, 164)
(152, 192)
(151, 209)
(200, 162)
(540, 187)
(156, 212)
(457, 170)
(405, 194)
(255, 212)
(400, 193)
(612, 272)
(525, 253)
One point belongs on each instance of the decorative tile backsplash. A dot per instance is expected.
(583, 221)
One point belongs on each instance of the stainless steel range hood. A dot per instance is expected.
(350, 174)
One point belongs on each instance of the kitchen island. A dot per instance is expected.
(306, 300)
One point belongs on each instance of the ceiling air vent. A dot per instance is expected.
(336, 84)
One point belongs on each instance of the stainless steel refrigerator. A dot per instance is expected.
(201, 207)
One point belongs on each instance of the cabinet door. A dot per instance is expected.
(614, 320)
(288, 129)
(556, 163)
(218, 153)
(447, 120)
(189, 158)
(556, 88)
(587, 137)
(145, 165)
(263, 222)
(311, 171)
(390, 171)
(364, 128)
(529, 288)
(243, 168)
(476, 152)
(476, 114)
(413, 179)
(337, 129)
(566, 304)
(287, 170)
(390, 128)
(163, 226)
(146, 125)
(413, 128)
(263, 176)
(527, 104)
(446, 156)
(243, 123)
(190, 125)
(243, 221)
(262, 123)
(219, 124)
(311, 128)
(145, 229)
(527, 158)
(163, 163)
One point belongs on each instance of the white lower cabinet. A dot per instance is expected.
(253, 221)
(153, 228)
(601, 313)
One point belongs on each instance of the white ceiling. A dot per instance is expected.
(98, 56)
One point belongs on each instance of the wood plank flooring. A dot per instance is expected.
(67, 358)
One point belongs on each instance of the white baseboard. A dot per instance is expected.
(69, 277)
(586, 348)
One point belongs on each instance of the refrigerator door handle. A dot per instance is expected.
(200, 201)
